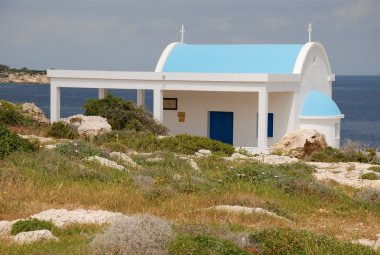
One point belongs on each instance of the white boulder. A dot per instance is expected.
(5, 227)
(89, 126)
(106, 162)
(34, 236)
(300, 144)
(63, 217)
(124, 158)
(246, 210)
(33, 111)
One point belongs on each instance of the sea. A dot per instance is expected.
(358, 98)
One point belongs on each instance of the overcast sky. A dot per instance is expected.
(130, 35)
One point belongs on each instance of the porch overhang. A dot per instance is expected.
(173, 81)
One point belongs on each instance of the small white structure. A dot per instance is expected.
(246, 95)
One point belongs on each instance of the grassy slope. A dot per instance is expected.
(36, 181)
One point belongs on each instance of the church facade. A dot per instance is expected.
(247, 95)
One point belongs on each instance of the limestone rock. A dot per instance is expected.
(366, 242)
(345, 173)
(194, 164)
(106, 162)
(301, 143)
(34, 236)
(202, 153)
(277, 160)
(246, 210)
(5, 227)
(154, 160)
(89, 126)
(33, 111)
(376, 246)
(63, 217)
(236, 156)
(124, 158)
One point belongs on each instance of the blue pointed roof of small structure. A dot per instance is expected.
(247, 58)
(319, 104)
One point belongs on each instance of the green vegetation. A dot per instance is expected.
(186, 144)
(11, 142)
(78, 149)
(10, 114)
(61, 129)
(122, 114)
(31, 225)
(4, 69)
(203, 245)
(165, 184)
(349, 152)
(286, 241)
(375, 168)
(370, 176)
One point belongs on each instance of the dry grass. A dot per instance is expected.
(33, 182)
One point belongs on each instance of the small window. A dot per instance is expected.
(170, 103)
(270, 125)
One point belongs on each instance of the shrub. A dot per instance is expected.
(140, 234)
(375, 168)
(370, 176)
(189, 144)
(10, 114)
(10, 142)
(78, 149)
(142, 141)
(122, 114)
(61, 129)
(371, 196)
(330, 155)
(287, 241)
(203, 245)
(31, 225)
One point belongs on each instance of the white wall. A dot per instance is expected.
(280, 104)
(197, 105)
(314, 76)
(326, 127)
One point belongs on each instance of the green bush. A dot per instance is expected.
(78, 149)
(61, 129)
(31, 225)
(10, 114)
(10, 142)
(330, 155)
(203, 245)
(281, 241)
(142, 141)
(370, 176)
(375, 168)
(369, 196)
(122, 114)
(189, 144)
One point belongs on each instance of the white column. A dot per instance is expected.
(55, 103)
(158, 105)
(102, 93)
(263, 121)
(140, 97)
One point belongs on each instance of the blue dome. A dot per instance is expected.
(248, 58)
(318, 104)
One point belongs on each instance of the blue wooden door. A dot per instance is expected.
(222, 126)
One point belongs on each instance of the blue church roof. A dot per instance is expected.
(318, 104)
(247, 58)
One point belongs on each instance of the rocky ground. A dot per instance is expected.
(22, 77)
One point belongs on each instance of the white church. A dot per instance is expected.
(247, 95)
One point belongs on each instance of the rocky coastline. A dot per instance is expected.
(24, 77)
